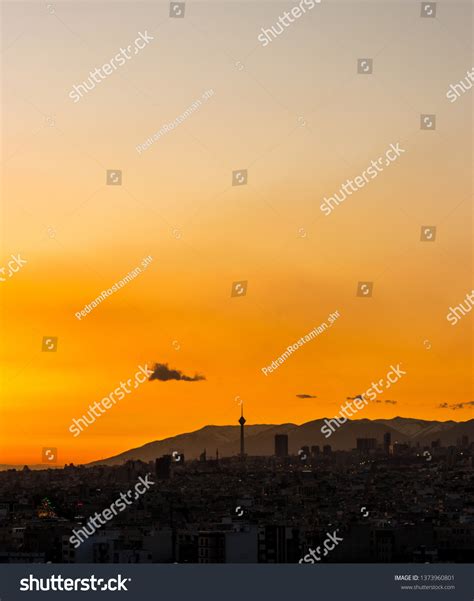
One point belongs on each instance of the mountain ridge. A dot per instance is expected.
(259, 438)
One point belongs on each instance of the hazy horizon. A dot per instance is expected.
(243, 266)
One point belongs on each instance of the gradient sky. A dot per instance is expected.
(177, 204)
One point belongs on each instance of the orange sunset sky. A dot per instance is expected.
(300, 119)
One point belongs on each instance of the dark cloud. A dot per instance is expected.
(306, 396)
(359, 396)
(455, 406)
(162, 372)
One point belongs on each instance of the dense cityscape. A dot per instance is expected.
(386, 502)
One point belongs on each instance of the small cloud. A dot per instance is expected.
(162, 372)
(456, 406)
(306, 396)
(361, 397)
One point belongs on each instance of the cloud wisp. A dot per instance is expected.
(455, 406)
(162, 372)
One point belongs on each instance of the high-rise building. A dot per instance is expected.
(278, 543)
(163, 467)
(281, 445)
(366, 444)
(242, 421)
(387, 441)
(315, 450)
(400, 448)
(327, 449)
(211, 547)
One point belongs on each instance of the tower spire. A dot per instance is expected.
(242, 421)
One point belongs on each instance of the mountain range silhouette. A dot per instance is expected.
(259, 438)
